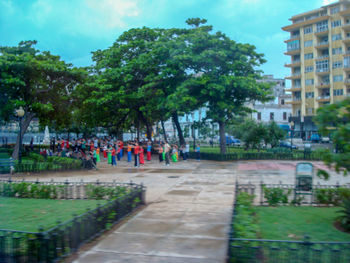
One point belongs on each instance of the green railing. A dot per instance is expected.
(65, 238)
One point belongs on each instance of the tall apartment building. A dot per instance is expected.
(319, 47)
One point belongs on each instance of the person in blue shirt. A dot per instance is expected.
(198, 152)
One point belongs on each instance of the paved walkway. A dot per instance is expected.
(189, 209)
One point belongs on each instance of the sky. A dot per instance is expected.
(73, 29)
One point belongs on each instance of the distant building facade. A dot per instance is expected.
(276, 110)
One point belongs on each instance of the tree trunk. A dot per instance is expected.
(138, 131)
(164, 133)
(149, 130)
(222, 137)
(178, 127)
(27, 118)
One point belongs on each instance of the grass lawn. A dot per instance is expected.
(292, 223)
(29, 214)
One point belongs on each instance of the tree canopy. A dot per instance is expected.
(39, 82)
(334, 120)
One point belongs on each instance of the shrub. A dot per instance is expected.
(333, 196)
(245, 224)
(36, 157)
(275, 196)
(344, 218)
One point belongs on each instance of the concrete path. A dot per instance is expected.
(189, 209)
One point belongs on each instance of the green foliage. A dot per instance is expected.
(344, 218)
(245, 224)
(276, 196)
(36, 157)
(102, 192)
(334, 121)
(256, 134)
(333, 196)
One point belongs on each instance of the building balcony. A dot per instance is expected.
(293, 51)
(323, 98)
(302, 22)
(294, 63)
(347, 82)
(323, 57)
(346, 40)
(345, 12)
(346, 53)
(322, 44)
(291, 38)
(322, 71)
(346, 67)
(346, 26)
(322, 31)
(323, 85)
(296, 75)
(295, 88)
(294, 101)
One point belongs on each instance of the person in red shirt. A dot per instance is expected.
(137, 154)
(142, 156)
(114, 162)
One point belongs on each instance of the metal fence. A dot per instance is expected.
(242, 250)
(313, 156)
(65, 238)
(304, 197)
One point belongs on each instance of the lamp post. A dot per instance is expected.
(291, 135)
(20, 113)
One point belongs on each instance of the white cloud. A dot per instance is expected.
(84, 17)
(111, 13)
(327, 2)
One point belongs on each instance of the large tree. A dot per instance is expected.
(39, 82)
(334, 120)
(226, 73)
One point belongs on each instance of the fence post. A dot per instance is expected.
(307, 248)
(143, 194)
(261, 192)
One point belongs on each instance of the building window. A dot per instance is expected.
(308, 43)
(322, 26)
(337, 64)
(337, 78)
(309, 56)
(293, 45)
(309, 95)
(309, 82)
(336, 23)
(336, 51)
(338, 92)
(309, 69)
(308, 30)
(272, 116)
(322, 66)
(335, 10)
(259, 116)
(282, 101)
(347, 62)
(310, 111)
(336, 37)
(284, 116)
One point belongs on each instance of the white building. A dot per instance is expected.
(275, 110)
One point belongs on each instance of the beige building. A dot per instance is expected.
(319, 48)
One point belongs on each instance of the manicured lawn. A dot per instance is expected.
(292, 223)
(29, 214)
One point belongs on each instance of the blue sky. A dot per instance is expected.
(74, 28)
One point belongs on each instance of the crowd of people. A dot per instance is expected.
(96, 150)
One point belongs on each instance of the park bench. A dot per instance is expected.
(7, 165)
